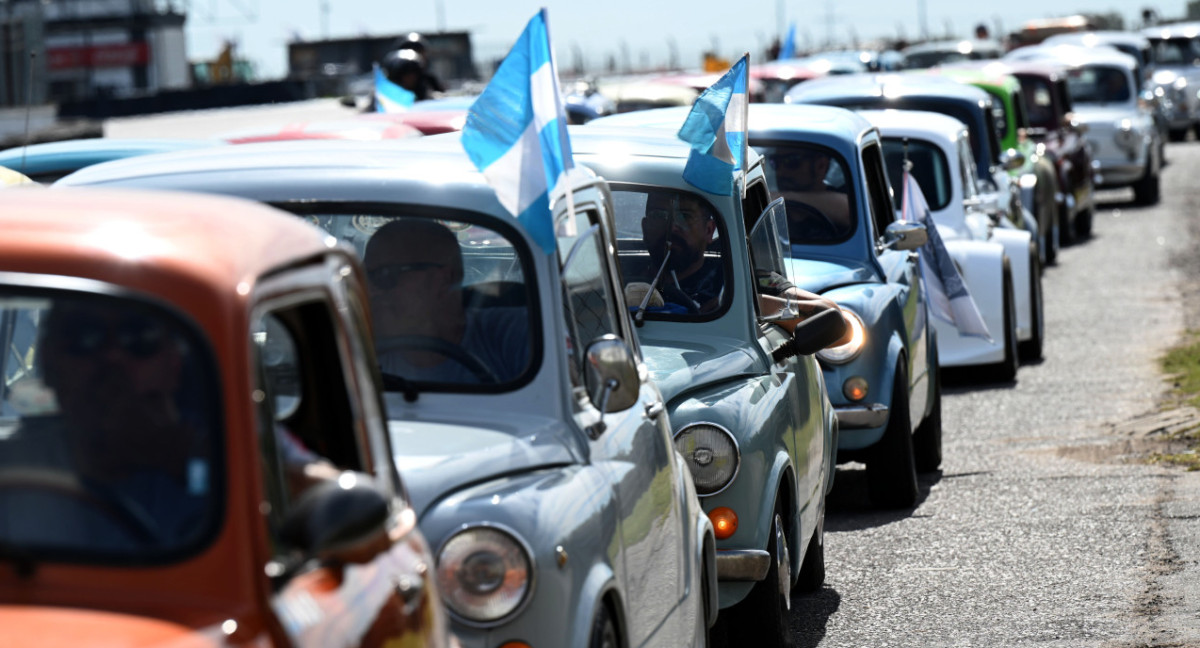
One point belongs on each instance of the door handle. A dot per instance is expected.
(655, 409)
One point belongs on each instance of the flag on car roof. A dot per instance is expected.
(949, 299)
(516, 131)
(390, 97)
(716, 130)
(788, 50)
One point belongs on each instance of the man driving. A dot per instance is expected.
(822, 213)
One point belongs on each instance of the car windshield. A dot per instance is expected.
(929, 168)
(1040, 101)
(451, 295)
(815, 187)
(1176, 51)
(1099, 84)
(674, 242)
(110, 431)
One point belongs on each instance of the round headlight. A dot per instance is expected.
(850, 350)
(484, 574)
(711, 454)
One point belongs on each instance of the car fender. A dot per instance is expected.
(599, 583)
(1017, 246)
(876, 305)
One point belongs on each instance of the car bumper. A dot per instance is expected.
(742, 565)
(1114, 174)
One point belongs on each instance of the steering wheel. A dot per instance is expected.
(447, 349)
(114, 505)
(806, 222)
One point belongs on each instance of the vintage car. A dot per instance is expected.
(50, 161)
(997, 195)
(364, 127)
(1057, 132)
(1036, 176)
(747, 402)
(1121, 131)
(930, 54)
(1176, 77)
(535, 446)
(192, 442)
(940, 155)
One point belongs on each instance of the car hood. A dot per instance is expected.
(436, 459)
(819, 275)
(61, 626)
(1103, 116)
(678, 366)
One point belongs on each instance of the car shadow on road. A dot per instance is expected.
(848, 505)
(960, 380)
(810, 615)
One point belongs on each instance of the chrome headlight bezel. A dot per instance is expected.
(449, 559)
(732, 453)
(847, 352)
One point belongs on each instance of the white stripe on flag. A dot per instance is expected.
(520, 167)
(735, 114)
(544, 88)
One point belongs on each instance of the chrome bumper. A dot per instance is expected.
(742, 564)
(871, 415)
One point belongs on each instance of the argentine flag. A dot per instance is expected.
(390, 97)
(716, 129)
(949, 299)
(516, 132)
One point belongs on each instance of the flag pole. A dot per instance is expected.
(569, 189)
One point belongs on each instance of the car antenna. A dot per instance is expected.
(28, 107)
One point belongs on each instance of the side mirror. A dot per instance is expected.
(813, 334)
(1012, 159)
(336, 515)
(904, 235)
(611, 377)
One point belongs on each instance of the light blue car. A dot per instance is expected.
(49, 161)
(747, 402)
(535, 447)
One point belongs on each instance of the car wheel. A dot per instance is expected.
(1006, 370)
(1031, 349)
(927, 440)
(702, 638)
(1177, 134)
(891, 467)
(812, 570)
(604, 630)
(1050, 234)
(761, 619)
(1146, 190)
(1083, 224)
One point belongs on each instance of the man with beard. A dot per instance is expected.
(815, 211)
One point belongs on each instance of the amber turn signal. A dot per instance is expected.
(724, 521)
(855, 388)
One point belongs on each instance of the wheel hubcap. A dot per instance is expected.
(784, 563)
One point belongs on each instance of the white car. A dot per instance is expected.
(1125, 141)
(998, 263)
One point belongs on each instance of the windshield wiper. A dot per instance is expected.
(394, 382)
(640, 315)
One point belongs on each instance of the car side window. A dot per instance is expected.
(966, 165)
(588, 297)
(879, 200)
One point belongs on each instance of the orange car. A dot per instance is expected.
(193, 450)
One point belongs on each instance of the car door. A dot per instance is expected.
(632, 446)
(903, 272)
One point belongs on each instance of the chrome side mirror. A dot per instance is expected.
(611, 378)
(336, 514)
(816, 332)
(904, 235)
(1012, 159)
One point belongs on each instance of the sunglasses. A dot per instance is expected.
(137, 337)
(385, 277)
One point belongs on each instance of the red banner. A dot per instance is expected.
(97, 56)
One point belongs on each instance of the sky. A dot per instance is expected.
(640, 33)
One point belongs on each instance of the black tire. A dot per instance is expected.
(891, 466)
(927, 440)
(761, 619)
(604, 630)
(1031, 350)
(812, 570)
(1146, 191)
(1006, 370)
(1050, 235)
(1083, 225)
(1177, 134)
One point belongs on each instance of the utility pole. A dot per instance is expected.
(923, 19)
(325, 19)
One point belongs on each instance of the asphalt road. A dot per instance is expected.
(1045, 527)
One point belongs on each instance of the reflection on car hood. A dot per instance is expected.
(436, 459)
(678, 366)
(819, 275)
(59, 626)
(1103, 116)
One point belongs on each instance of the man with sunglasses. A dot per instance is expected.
(424, 330)
(677, 229)
(815, 211)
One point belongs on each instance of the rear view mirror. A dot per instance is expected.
(611, 377)
(813, 334)
(336, 515)
(1012, 159)
(905, 235)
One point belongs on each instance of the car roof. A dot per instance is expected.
(1100, 37)
(818, 122)
(1074, 55)
(160, 242)
(73, 154)
(1189, 29)
(915, 122)
(877, 85)
(965, 45)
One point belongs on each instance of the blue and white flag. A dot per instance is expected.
(516, 132)
(789, 44)
(716, 129)
(949, 299)
(389, 96)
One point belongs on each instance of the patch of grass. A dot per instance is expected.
(1182, 366)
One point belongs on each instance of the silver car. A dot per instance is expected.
(536, 450)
